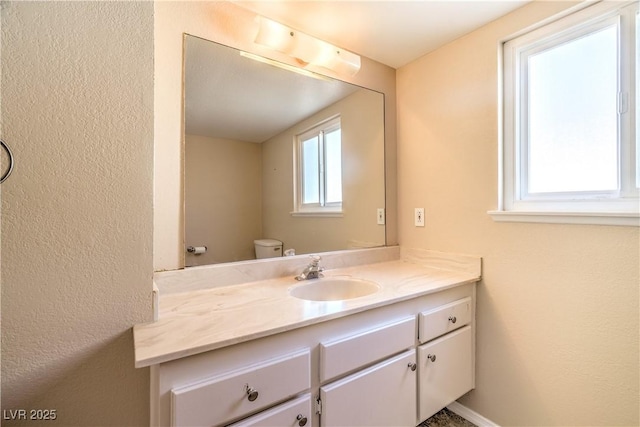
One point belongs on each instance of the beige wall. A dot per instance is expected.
(226, 23)
(223, 198)
(362, 181)
(77, 109)
(2, 165)
(558, 327)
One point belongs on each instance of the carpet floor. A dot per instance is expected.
(446, 418)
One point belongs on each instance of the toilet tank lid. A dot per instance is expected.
(267, 242)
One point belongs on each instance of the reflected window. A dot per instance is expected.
(319, 169)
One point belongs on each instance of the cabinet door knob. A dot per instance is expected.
(302, 420)
(412, 366)
(452, 319)
(252, 394)
(431, 357)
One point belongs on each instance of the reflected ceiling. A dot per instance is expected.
(219, 98)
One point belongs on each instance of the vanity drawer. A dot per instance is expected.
(443, 319)
(346, 354)
(296, 412)
(230, 396)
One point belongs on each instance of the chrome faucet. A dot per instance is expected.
(313, 270)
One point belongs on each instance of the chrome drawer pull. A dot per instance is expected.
(452, 319)
(302, 420)
(252, 394)
(412, 366)
(431, 357)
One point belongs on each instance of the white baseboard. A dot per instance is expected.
(471, 415)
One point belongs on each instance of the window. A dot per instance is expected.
(319, 170)
(570, 141)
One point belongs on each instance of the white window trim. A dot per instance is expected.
(582, 208)
(300, 210)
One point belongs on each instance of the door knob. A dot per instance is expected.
(431, 357)
(412, 366)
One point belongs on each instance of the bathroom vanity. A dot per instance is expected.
(271, 352)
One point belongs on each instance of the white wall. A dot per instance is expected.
(77, 109)
(226, 23)
(558, 325)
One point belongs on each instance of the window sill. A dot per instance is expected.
(593, 218)
(325, 214)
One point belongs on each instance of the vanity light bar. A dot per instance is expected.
(284, 66)
(306, 49)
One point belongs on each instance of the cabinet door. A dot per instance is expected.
(290, 414)
(382, 395)
(445, 371)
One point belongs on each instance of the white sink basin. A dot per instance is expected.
(334, 289)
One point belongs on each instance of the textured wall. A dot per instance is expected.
(77, 108)
(558, 327)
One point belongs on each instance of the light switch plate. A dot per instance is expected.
(419, 217)
(380, 216)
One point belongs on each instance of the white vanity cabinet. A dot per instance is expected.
(372, 367)
(445, 364)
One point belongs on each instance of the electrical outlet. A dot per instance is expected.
(380, 216)
(419, 217)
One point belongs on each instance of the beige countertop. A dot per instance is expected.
(201, 320)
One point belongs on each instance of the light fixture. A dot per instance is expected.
(284, 66)
(307, 50)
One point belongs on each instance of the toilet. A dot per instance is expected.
(268, 248)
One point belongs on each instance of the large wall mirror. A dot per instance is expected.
(247, 126)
